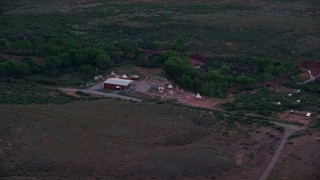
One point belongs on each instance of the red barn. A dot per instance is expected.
(117, 84)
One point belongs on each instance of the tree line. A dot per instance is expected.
(61, 55)
(216, 82)
(64, 56)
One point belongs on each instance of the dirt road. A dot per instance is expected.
(96, 87)
(103, 94)
(289, 129)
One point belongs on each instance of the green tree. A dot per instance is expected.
(109, 48)
(179, 43)
(214, 76)
(126, 46)
(209, 89)
(78, 58)
(264, 65)
(196, 84)
(164, 57)
(103, 61)
(245, 82)
(91, 54)
(185, 81)
(171, 66)
(87, 69)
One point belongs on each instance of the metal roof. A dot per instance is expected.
(115, 81)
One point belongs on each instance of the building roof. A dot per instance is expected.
(115, 81)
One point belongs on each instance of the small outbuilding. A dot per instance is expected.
(113, 75)
(117, 84)
(134, 77)
(124, 77)
(308, 115)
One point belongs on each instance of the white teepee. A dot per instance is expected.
(124, 76)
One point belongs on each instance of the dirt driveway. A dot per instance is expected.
(289, 129)
(142, 86)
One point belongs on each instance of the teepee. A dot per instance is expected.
(198, 96)
(160, 88)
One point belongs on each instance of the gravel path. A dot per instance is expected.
(288, 130)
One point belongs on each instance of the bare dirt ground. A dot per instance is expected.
(197, 60)
(154, 79)
(313, 66)
(299, 117)
(300, 159)
(288, 130)
(251, 159)
(121, 139)
(71, 92)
